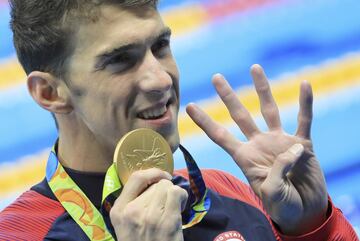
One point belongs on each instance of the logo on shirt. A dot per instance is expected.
(230, 236)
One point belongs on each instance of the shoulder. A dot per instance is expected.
(29, 217)
(227, 185)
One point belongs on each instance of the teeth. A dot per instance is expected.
(154, 113)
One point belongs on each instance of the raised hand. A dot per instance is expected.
(281, 168)
(149, 208)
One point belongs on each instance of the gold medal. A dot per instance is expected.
(142, 149)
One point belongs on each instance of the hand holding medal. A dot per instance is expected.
(149, 206)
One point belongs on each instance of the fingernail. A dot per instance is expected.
(218, 75)
(256, 68)
(297, 149)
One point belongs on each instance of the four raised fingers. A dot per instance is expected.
(243, 118)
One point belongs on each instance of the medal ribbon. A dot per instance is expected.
(96, 225)
(199, 196)
(75, 202)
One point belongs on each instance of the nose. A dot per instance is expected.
(154, 77)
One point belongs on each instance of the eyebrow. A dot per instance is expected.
(102, 58)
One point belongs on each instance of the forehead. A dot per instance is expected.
(117, 26)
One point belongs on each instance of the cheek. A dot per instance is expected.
(100, 107)
(106, 120)
(115, 105)
(112, 106)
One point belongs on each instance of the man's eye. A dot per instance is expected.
(120, 59)
(121, 62)
(161, 47)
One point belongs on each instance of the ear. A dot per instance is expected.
(49, 92)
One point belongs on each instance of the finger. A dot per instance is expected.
(268, 106)
(237, 111)
(213, 130)
(272, 186)
(306, 111)
(156, 198)
(137, 183)
(176, 200)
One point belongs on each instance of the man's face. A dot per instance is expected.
(123, 76)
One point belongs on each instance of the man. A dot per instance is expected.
(104, 68)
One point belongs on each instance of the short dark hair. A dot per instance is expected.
(43, 30)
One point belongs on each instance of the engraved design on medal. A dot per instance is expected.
(141, 159)
(142, 149)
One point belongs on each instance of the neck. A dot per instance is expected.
(83, 152)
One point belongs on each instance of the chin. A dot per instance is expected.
(174, 147)
(173, 141)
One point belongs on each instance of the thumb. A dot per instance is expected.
(282, 165)
(286, 160)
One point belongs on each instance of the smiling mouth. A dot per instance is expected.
(154, 113)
